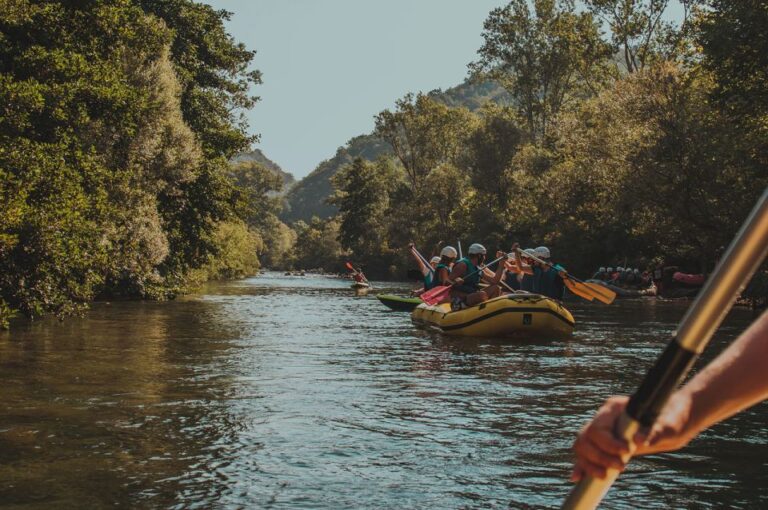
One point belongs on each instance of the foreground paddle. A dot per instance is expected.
(733, 272)
(582, 288)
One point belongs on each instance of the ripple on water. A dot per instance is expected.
(291, 392)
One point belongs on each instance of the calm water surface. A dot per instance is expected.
(280, 392)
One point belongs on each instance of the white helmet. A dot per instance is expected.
(637, 271)
(529, 251)
(542, 252)
(620, 269)
(434, 260)
(609, 270)
(601, 270)
(476, 249)
(449, 251)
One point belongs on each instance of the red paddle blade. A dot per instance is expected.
(349, 266)
(436, 295)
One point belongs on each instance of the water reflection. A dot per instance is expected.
(281, 392)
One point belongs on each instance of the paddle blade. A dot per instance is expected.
(602, 294)
(436, 295)
(349, 266)
(577, 291)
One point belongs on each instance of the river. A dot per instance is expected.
(291, 392)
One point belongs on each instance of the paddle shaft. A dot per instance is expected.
(745, 254)
(482, 268)
(423, 260)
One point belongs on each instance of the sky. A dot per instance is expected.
(329, 66)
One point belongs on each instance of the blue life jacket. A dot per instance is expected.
(471, 276)
(549, 283)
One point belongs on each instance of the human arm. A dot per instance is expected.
(425, 270)
(732, 382)
(458, 270)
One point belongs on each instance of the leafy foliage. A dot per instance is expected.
(116, 123)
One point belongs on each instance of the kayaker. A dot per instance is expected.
(466, 276)
(547, 278)
(731, 383)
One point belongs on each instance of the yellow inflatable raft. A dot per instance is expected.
(509, 315)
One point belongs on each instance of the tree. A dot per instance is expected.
(490, 151)
(116, 123)
(424, 133)
(732, 35)
(639, 32)
(543, 58)
(363, 198)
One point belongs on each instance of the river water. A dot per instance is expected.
(288, 392)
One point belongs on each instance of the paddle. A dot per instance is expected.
(598, 292)
(745, 254)
(439, 293)
(426, 263)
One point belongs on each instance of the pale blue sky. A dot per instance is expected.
(330, 65)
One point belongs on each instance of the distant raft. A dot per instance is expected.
(399, 303)
(523, 315)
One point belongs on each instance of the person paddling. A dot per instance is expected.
(548, 278)
(443, 267)
(439, 268)
(467, 290)
(731, 383)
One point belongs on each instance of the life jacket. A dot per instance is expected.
(548, 282)
(526, 283)
(432, 279)
(471, 276)
(512, 281)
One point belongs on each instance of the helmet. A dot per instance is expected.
(542, 252)
(637, 271)
(609, 270)
(601, 270)
(476, 249)
(434, 260)
(448, 251)
(529, 251)
(619, 268)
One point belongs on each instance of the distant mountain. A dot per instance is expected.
(308, 197)
(256, 155)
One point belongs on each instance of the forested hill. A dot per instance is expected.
(309, 196)
(258, 157)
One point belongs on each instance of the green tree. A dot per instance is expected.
(363, 197)
(639, 32)
(544, 58)
(116, 122)
(424, 133)
(317, 245)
